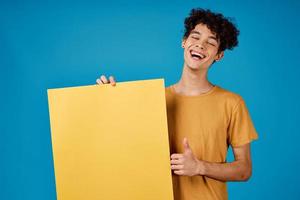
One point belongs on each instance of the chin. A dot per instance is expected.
(197, 67)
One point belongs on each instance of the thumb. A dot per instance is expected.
(186, 145)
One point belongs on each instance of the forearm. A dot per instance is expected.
(235, 171)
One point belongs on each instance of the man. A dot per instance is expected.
(203, 118)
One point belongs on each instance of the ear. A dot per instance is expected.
(183, 43)
(219, 56)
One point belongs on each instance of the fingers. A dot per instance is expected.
(179, 172)
(176, 156)
(186, 144)
(176, 162)
(177, 167)
(98, 81)
(112, 81)
(186, 147)
(104, 80)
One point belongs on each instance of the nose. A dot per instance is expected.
(200, 44)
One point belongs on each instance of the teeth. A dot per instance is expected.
(197, 54)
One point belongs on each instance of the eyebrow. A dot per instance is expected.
(197, 32)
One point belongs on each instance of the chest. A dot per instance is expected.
(200, 115)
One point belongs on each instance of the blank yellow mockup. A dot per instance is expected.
(111, 142)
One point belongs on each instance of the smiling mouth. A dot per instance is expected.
(197, 55)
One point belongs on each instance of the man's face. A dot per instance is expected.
(201, 48)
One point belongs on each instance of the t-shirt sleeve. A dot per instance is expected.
(241, 129)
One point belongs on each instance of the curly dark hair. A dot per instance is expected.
(226, 32)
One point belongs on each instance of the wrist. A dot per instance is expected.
(201, 168)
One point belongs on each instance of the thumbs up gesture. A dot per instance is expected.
(186, 163)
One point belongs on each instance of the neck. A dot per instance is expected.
(193, 82)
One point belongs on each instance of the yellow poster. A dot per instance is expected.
(111, 142)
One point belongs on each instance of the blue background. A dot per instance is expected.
(60, 44)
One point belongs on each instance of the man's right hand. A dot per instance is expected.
(104, 80)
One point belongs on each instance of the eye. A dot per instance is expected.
(195, 37)
(211, 43)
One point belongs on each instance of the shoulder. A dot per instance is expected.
(227, 95)
(229, 98)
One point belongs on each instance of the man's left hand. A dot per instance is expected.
(186, 163)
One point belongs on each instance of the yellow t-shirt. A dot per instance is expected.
(211, 122)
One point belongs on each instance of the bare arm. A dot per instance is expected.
(238, 170)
